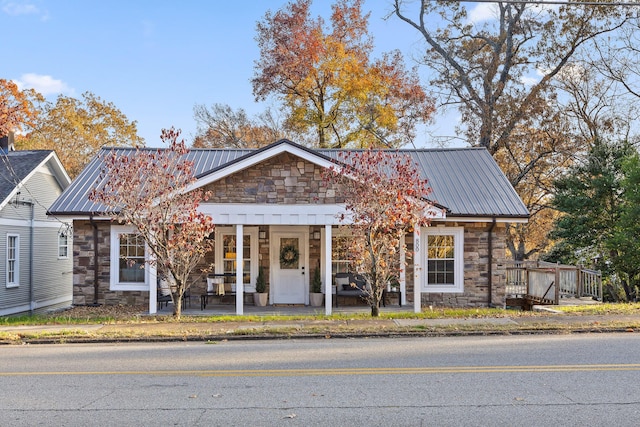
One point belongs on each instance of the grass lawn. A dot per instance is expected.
(124, 315)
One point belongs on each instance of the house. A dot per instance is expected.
(272, 199)
(36, 266)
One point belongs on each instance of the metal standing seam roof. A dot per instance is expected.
(466, 181)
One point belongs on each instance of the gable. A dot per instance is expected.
(17, 168)
(282, 179)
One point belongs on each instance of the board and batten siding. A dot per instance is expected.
(51, 276)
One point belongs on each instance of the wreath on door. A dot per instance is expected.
(289, 256)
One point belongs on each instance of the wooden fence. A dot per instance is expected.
(548, 282)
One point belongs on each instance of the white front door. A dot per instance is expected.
(289, 275)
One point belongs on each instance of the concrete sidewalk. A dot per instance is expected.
(320, 328)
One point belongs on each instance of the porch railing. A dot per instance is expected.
(550, 282)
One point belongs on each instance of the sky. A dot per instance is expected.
(156, 59)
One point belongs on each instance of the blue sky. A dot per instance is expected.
(156, 59)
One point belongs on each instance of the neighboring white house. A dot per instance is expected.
(36, 262)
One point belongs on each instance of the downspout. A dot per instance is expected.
(96, 282)
(31, 247)
(490, 266)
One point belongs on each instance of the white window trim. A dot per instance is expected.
(16, 282)
(458, 242)
(66, 234)
(114, 283)
(252, 232)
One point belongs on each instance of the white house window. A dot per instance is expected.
(128, 255)
(13, 260)
(63, 244)
(443, 259)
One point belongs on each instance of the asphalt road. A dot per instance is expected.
(573, 380)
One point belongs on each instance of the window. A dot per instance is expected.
(131, 263)
(128, 255)
(340, 259)
(13, 260)
(63, 244)
(443, 259)
(225, 250)
(229, 251)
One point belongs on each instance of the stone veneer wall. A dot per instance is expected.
(476, 269)
(284, 179)
(84, 269)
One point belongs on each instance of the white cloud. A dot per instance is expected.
(535, 79)
(488, 11)
(46, 85)
(23, 8)
(482, 12)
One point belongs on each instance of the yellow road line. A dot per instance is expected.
(346, 371)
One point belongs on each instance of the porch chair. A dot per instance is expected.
(164, 293)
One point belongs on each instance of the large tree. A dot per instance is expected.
(329, 85)
(16, 107)
(220, 126)
(485, 69)
(384, 197)
(499, 72)
(146, 189)
(591, 199)
(77, 128)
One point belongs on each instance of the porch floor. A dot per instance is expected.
(217, 309)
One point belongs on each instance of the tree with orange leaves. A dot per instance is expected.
(329, 85)
(384, 197)
(16, 107)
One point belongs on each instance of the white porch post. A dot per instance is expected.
(417, 273)
(403, 272)
(153, 290)
(239, 268)
(328, 286)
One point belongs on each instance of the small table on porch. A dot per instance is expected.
(215, 287)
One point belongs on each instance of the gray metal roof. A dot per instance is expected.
(15, 166)
(466, 181)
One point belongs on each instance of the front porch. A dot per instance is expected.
(241, 251)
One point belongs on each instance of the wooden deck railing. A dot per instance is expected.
(550, 282)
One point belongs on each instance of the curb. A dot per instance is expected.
(217, 338)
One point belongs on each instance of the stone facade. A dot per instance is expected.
(84, 269)
(283, 179)
(476, 269)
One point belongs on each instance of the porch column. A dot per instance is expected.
(153, 290)
(417, 272)
(239, 268)
(403, 272)
(328, 286)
